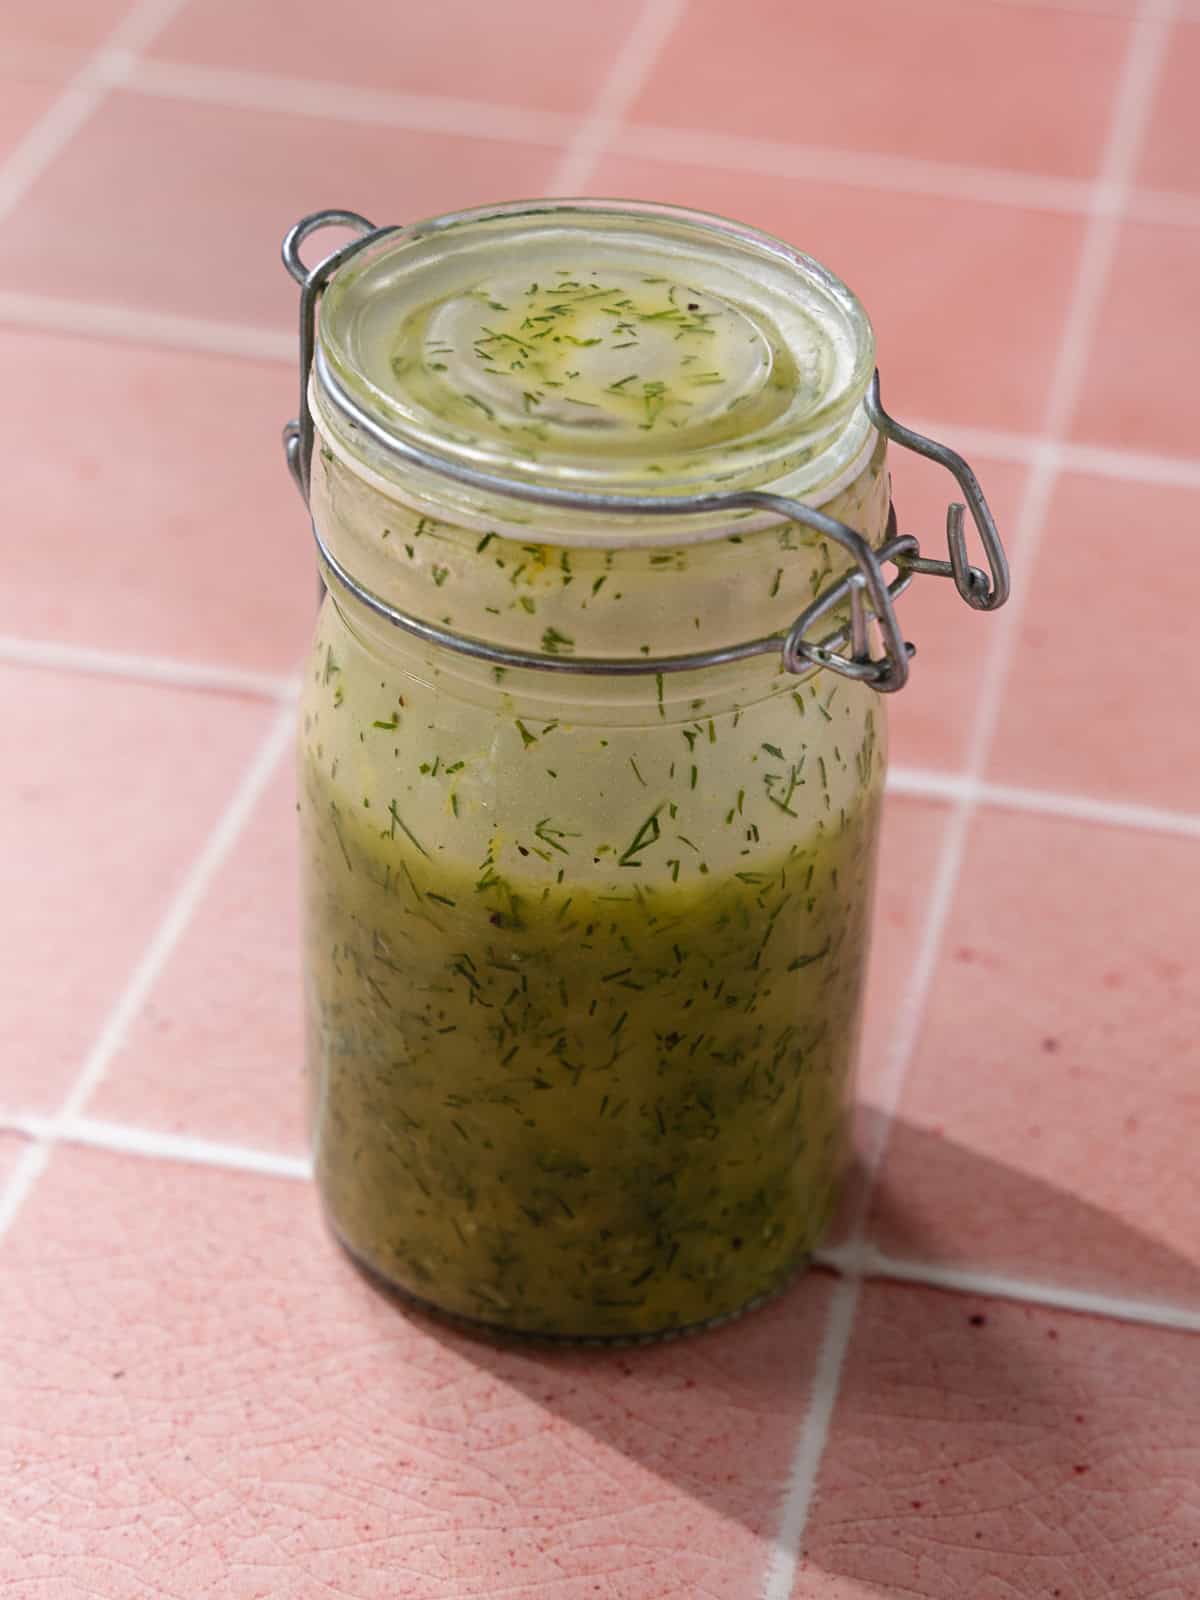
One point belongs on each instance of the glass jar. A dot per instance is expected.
(588, 813)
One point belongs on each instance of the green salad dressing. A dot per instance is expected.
(575, 1085)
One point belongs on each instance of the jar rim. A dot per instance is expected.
(810, 432)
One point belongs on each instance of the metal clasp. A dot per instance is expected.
(298, 434)
(981, 592)
(865, 590)
(887, 674)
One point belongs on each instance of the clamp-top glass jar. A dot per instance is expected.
(592, 752)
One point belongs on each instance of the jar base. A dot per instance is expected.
(501, 1333)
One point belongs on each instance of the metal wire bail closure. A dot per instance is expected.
(298, 434)
(982, 591)
(865, 591)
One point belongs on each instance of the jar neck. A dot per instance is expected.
(647, 699)
(527, 590)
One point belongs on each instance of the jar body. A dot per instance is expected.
(584, 956)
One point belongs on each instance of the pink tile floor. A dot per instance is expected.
(991, 1387)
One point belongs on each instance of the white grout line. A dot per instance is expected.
(138, 28)
(1063, 455)
(146, 669)
(921, 783)
(1106, 813)
(633, 65)
(150, 1143)
(147, 327)
(31, 1163)
(866, 1262)
(1130, 110)
(1131, 466)
(810, 1446)
(422, 113)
